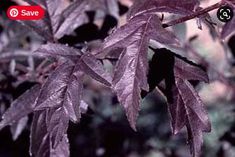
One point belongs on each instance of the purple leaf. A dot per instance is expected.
(92, 67)
(197, 120)
(171, 6)
(177, 112)
(57, 125)
(18, 127)
(228, 28)
(48, 128)
(58, 20)
(54, 9)
(21, 107)
(63, 89)
(62, 150)
(54, 89)
(189, 71)
(130, 75)
(72, 101)
(148, 26)
(184, 104)
(72, 17)
(193, 104)
(38, 134)
(59, 50)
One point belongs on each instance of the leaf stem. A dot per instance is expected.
(194, 15)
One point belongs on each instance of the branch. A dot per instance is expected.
(194, 15)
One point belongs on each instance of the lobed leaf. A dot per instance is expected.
(130, 76)
(184, 104)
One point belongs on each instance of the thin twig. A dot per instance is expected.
(194, 15)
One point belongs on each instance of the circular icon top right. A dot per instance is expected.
(225, 14)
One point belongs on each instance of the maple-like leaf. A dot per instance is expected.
(171, 6)
(148, 25)
(59, 99)
(185, 105)
(130, 74)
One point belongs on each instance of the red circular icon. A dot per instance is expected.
(25, 12)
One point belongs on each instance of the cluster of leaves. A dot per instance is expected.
(60, 98)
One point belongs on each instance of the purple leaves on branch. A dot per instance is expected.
(60, 98)
(46, 126)
(185, 106)
(60, 20)
(171, 6)
(57, 101)
(130, 76)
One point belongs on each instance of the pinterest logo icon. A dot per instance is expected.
(25, 12)
(14, 12)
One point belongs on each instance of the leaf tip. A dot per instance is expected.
(175, 132)
(133, 126)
